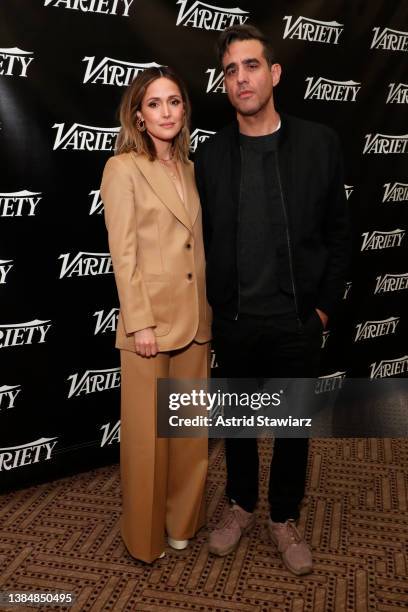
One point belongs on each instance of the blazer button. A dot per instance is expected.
(189, 276)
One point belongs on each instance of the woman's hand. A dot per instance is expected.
(145, 342)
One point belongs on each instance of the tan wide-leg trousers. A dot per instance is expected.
(163, 479)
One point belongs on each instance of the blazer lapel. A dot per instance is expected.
(192, 201)
(163, 187)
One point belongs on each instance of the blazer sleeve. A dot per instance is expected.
(337, 236)
(119, 199)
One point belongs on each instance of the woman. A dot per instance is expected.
(153, 216)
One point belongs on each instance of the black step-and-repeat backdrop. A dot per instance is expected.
(63, 67)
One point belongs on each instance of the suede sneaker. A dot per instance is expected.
(224, 539)
(295, 553)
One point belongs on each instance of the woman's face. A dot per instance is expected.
(162, 110)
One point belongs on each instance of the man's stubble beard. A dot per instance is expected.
(254, 111)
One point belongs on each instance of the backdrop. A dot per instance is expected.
(63, 67)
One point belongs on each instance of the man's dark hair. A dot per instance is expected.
(244, 32)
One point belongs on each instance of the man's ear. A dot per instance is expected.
(276, 71)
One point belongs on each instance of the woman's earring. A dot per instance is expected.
(140, 124)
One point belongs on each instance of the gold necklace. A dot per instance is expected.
(163, 163)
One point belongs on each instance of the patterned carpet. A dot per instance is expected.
(64, 536)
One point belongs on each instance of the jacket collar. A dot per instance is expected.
(163, 186)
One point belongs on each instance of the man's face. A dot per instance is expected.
(249, 80)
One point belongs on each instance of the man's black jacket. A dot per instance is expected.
(310, 174)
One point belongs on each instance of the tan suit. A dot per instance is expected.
(155, 240)
(157, 251)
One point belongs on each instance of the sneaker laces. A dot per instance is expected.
(231, 517)
(293, 532)
(228, 520)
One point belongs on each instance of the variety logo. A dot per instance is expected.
(389, 367)
(375, 241)
(215, 81)
(381, 143)
(330, 382)
(325, 337)
(375, 329)
(214, 363)
(96, 203)
(106, 322)
(391, 282)
(105, 7)
(8, 396)
(331, 91)
(208, 17)
(93, 381)
(110, 434)
(389, 39)
(347, 290)
(395, 192)
(85, 264)
(5, 267)
(19, 203)
(398, 93)
(33, 452)
(349, 190)
(85, 137)
(19, 334)
(199, 136)
(113, 72)
(14, 61)
(313, 30)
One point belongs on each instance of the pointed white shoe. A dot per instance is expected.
(177, 544)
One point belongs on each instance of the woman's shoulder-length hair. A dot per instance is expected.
(129, 137)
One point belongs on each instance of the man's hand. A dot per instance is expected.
(323, 317)
(145, 342)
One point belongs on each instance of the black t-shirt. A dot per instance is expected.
(263, 253)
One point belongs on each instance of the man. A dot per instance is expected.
(276, 240)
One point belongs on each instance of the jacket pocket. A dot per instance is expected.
(313, 325)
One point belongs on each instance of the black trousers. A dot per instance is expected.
(268, 348)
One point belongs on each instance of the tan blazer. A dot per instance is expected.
(157, 252)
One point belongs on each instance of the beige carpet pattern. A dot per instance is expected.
(64, 536)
